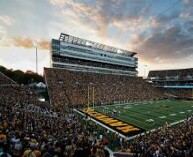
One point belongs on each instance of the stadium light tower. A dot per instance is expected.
(35, 43)
(36, 59)
(144, 66)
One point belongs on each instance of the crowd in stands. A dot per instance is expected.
(17, 93)
(5, 80)
(71, 88)
(30, 130)
(180, 93)
(175, 78)
(169, 141)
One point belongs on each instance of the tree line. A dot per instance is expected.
(22, 77)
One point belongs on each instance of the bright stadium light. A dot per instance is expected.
(144, 66)
(119, 51)
(88, 43)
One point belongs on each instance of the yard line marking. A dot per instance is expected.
(162, 117)
(149, 120)
(126, 117)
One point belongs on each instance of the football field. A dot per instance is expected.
(149, 115)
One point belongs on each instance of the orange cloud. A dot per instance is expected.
(29, 43)
(44, 44)
(23, 42)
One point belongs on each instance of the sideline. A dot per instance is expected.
(112, 130)
(132, 137)
(110, 151)
(121, 135)
(102, 124)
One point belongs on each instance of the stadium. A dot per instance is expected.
(98, 103)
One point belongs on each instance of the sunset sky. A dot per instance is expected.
(160, 31)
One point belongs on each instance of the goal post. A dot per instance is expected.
(88, 107)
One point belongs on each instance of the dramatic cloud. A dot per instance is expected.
(100, 15)
(187, 11)
(159, 35)
(30, 43)
(27, 43)
(188, 3)
(2, 31)
(44, 44)
(173, 43)
(164, 19)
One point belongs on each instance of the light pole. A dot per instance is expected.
(36, 59)
(35, 44)
(145, 66)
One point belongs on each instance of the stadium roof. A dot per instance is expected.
(79, 41)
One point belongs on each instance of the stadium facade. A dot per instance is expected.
(177, 83)
(179, 78)
(76, 54)
(87, 73)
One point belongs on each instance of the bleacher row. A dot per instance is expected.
(28, 129)
(180, 93)
(69, 88)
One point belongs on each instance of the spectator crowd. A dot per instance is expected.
(180, 93)
(181, 80)
(29, 128)
(73, 88)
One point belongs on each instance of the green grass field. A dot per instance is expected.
(149, 115)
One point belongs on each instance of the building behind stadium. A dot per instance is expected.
(76, 54)
(176, 83)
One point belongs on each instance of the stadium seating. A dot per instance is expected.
(16, 94)
(69, 88)
(175, 82)
(180, 93)
(27, 128)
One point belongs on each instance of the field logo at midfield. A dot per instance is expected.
(118, 125)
